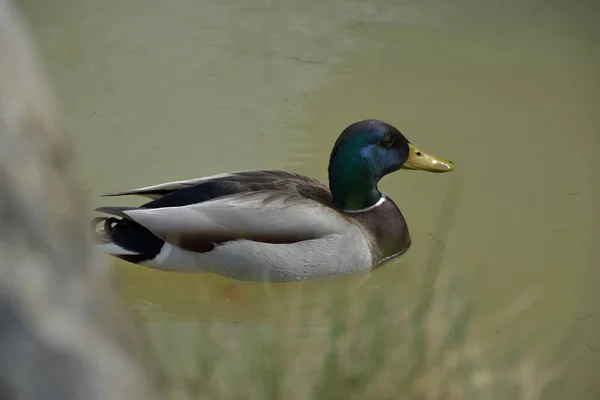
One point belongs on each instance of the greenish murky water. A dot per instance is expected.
(154, 91)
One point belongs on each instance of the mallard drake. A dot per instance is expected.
(273, 225)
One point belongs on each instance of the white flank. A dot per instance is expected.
(171, 258)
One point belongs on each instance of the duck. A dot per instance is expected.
(274, 225)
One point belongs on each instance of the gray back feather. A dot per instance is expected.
(267, 216)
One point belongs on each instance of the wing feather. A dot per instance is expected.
(156, 191)
(266, 216)
(246, 179)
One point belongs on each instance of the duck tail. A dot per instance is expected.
(103, 237)
(125, 239)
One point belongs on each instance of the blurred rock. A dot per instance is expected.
(63, 334)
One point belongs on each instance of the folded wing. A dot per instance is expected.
(265, 216)
(235, 182)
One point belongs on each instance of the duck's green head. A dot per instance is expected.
(364, 153)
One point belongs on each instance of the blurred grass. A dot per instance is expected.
(375, 347)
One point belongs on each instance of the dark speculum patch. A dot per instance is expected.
(207, 241)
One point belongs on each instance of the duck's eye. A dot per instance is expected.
(387, 141)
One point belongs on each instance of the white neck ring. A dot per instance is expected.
(379, 202)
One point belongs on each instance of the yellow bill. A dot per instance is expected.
(420, 160)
